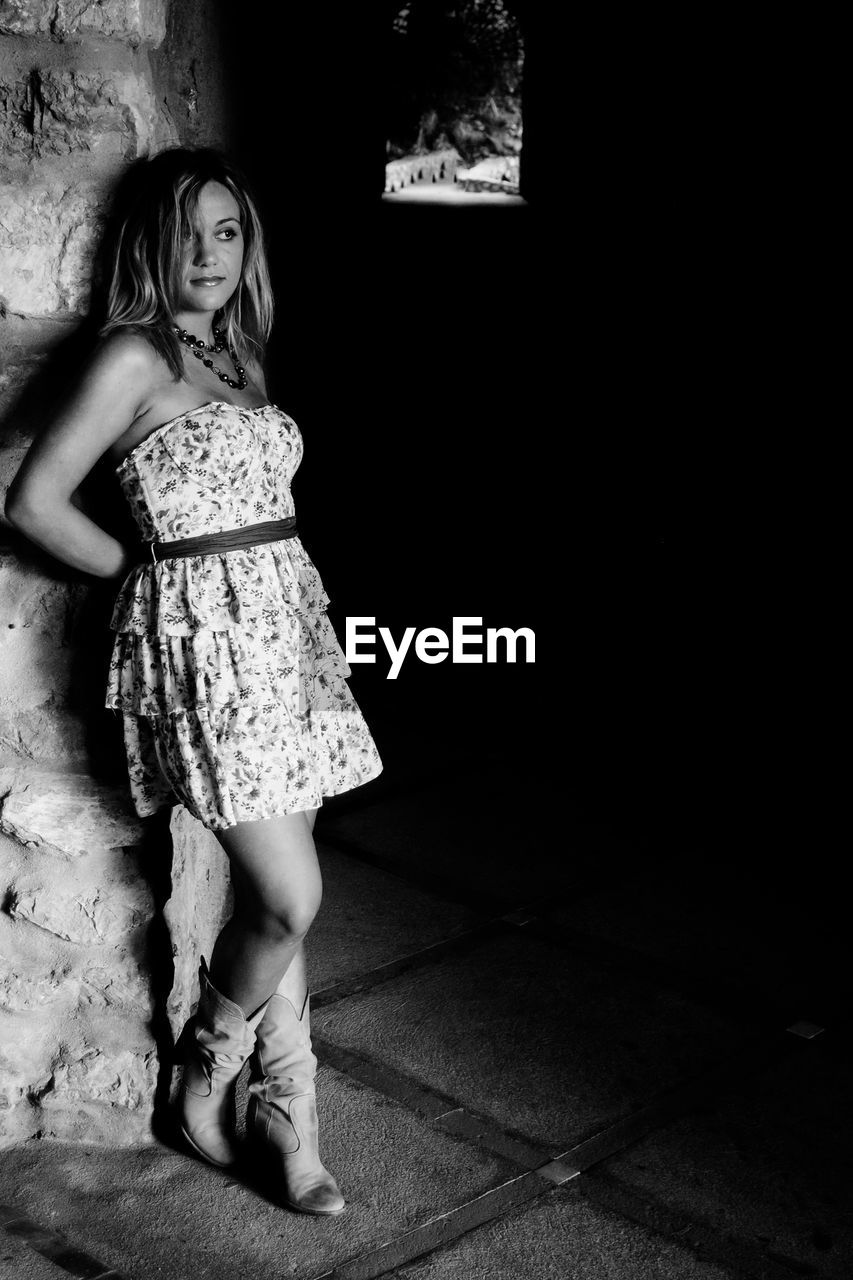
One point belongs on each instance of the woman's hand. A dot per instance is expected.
(39, 502)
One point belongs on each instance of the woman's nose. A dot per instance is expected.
(205, 253)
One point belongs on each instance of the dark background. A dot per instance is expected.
(592, 416)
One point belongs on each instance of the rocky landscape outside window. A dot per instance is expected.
(454, 107)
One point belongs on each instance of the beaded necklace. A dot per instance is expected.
(198, 348)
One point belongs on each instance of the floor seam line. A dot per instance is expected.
(368, 979)
(606, 1191)
(456, 1222)
(483, 1133)
(54, 1247)
(431, 1105)
(696, 984)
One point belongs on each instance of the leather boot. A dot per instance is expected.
(281, 1122)
(217, 1041)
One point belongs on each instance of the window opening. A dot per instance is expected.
(454, 119)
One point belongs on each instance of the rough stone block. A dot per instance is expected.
(48, 233)
(28, 1049)
(120, 1079)
(89, 917)
(35, 624)
(24, 950)
(125, 983)
(77, 1057)
(54, 112)
(47, 732)
(70, 814)
(26, 17)
(38, 971)
(25, 344)
(24, 992)
(75, 1090)
(133, 21)
(54, 650)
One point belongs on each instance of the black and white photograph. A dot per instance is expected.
(420, 645)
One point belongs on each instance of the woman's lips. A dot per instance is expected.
(208, 282)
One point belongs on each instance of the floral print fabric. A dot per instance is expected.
(226, 668)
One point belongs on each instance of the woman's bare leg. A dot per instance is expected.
(277, 892)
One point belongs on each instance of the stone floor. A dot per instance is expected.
(573, 1066)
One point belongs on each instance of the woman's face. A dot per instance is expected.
(213, 257)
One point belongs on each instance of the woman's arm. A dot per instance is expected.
(101, 409)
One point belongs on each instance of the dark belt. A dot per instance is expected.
(251, 535)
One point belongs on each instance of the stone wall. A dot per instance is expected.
(101, 917)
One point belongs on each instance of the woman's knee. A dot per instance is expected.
(286, 904)
(276, 878)
(286, 921)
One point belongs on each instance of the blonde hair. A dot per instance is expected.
(143, 288)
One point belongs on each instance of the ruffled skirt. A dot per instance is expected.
(233, 688)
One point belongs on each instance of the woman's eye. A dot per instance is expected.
(228, 232)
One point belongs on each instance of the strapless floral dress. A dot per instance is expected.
(225, 667)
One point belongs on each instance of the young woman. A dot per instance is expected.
(225, 668)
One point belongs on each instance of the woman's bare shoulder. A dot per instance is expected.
(127, 351)
(99, 408)
(124, 373)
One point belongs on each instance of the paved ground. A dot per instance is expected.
(450, 193)
(539, 1061)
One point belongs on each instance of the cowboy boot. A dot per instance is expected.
(281, 1121)
(217, 1041)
